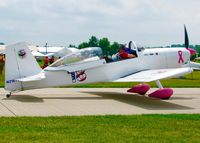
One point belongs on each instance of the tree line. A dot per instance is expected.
(107, 47)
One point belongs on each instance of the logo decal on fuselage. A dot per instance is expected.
(22, 53)
(78, 76)
(181, 60)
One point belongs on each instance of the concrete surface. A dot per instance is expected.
(95, 101)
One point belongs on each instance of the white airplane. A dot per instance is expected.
(89, 66)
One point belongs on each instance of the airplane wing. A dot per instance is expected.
(195, 66)
(36, 77)
(153, 75)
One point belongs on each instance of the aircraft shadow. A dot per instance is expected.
(181, 98)
(141, 101)
(25, 98)
(131, 99)
(29, 98)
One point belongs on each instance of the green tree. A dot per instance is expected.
(197, 48)
(104, 43)
(114, 48)
(177, 45)
(72, 46)
(93, 42)
(83, 45)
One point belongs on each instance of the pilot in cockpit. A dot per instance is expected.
(126, 53)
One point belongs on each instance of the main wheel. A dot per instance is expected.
(164, 93)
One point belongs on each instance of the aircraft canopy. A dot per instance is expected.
(80, 56)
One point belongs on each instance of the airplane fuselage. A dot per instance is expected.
(158, 58)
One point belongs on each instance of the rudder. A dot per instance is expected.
(20, 63)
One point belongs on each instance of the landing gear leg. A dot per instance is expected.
(159, 84)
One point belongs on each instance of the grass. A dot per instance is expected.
(136, 128)
(2, 78)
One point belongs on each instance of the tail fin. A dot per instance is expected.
(20, 63)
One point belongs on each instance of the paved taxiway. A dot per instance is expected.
(95, 101)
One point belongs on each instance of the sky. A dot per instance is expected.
(64, 22)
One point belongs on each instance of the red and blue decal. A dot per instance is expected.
(78, 76)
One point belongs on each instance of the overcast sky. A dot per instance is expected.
(64, 22)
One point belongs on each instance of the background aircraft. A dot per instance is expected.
(89, 66)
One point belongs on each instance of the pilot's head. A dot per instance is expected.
(122, 47)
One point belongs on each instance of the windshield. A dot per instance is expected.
(81, 56)
(135, 46)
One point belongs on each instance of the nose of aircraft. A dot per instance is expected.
(192, 51)
(187, 55)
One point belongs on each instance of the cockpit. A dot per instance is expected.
(128, 51)
(91, 54)
(80, 56)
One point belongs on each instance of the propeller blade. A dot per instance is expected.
(192, 51)
(186, 38)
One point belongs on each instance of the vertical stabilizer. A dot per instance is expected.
(20, 63)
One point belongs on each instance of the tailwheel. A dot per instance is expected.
(140, 89)
(162, 93)
(8, 95)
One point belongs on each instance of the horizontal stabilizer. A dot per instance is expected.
(153, 75)
(36, 77)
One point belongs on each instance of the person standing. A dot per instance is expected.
(51, 61)
(2, 63)
(46, 62)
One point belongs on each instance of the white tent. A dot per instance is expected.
(37, 54)
(47, 50)
(2, 49)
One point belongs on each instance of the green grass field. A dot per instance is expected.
(2, 78)
(97, 129)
